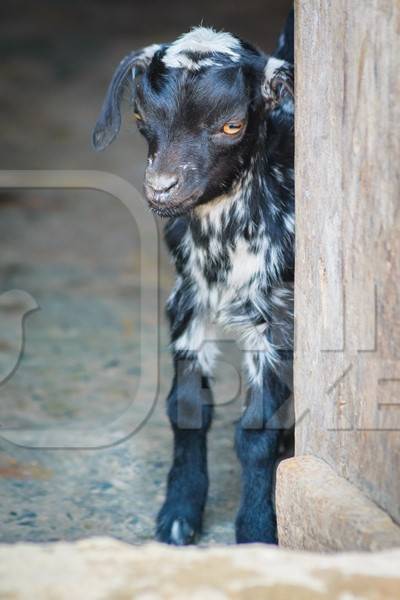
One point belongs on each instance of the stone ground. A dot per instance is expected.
(77, 254)
(101, 568)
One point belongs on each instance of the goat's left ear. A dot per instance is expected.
(278, 83)
(109, 122)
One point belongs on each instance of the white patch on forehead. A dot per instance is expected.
(201, 40)
(150, 51)
(146, 56)
(182, 61)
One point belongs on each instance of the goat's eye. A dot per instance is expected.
(232, 128)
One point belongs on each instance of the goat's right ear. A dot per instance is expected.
(278, 83)
(109, 122)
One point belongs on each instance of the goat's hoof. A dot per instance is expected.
(251, 529)
(175, 531)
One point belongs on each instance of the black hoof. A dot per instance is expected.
(175, 530)
(252, 527)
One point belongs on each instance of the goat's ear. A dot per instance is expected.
(109, 122)
(277, 86)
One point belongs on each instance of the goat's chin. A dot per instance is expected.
(172, 209)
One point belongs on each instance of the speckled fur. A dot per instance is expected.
(234, 257)
(231, 238)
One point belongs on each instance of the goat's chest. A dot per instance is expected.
(225, 273)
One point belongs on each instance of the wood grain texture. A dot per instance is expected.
(320, 511)
(347, 369)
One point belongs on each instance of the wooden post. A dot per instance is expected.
(347, 363)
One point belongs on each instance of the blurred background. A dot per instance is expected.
(76, 254)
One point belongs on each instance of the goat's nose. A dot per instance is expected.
(161, 182)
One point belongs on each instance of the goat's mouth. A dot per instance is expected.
(172, 208)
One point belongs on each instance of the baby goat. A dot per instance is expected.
(218, 117)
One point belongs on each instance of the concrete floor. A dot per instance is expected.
(77, 253)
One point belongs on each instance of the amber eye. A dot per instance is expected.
(137, 116)
(232, 128)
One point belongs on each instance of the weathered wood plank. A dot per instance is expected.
(347, 369)
(319, 510)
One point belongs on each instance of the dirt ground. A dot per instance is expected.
(77, 255)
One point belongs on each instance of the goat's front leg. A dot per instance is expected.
(189, 411)
(257, 445)
(189, 406)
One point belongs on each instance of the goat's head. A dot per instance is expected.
(200, 103)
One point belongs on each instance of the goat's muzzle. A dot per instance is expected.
(168, 194)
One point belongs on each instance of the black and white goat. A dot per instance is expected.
(218, 117)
